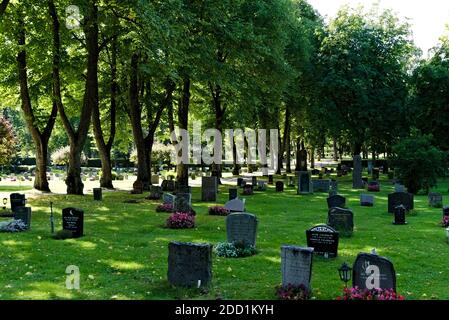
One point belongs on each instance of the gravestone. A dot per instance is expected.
(155, 193)
(279, 186)
(235, 205)
(254, 181)
(341, 220)
(296, 266)
(168, 198)
(137, 187)
(399, 215)
(435, 200)
(189, 264)
(233, 193)
(357, 182)
(248, 190)
(261, 186)
(371, 271)
(239, 182)
(336, 201)
(324, 240)
(17, 200)
(304, 182)
(373, 186)
(270, 179)
(168, 185)
(366, 200)
(399, 187)
(398, 198)
(209, 188)
(155, 179)
(183, 202)
(24, 214)
(98, 194)
(241, 228)
(73, 220)
(321, 185)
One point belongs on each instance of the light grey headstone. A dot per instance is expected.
(435, 200)
(235, 205)
(296, 265)
(366, 200)
(168, 198)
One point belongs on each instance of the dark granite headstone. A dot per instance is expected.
(336, 201)
(399, 215)
(398, 198)
(366, 200)
(235, 205)
(435, 200)
(209, 188)
(183, 202)
(373, 186)
(98, 194)
(357, 182)
(17, 200)
(155, 193)
(341, 220)
(73, 220)
(168, 198)
(296, 266)
(254, 181)
(304, 182)
(168, 185)
(279, 186)
(233, 193)
(375, 174)
(291, 182)
(241, 228)
(371, 271)
(239, 182)
(324, 240)
(24, 214)
(321, 185)
(248, 190)
(261, 186)
(270, 179)
(189, 264)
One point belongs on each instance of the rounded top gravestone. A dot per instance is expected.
(241, 228)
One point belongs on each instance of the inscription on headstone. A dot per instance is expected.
(324, 240)
(73, 220)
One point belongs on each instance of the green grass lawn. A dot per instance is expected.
(14, 188)
(124, 252)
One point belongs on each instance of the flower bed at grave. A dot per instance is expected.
(13, 226)
(218, 211)
(181, 220)
(373, 294)
(292, 292)
(445, 222)
(165, 207)
(234, 250)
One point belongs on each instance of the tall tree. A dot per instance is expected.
(77, 136)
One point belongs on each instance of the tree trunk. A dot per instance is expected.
(104, 148)
(143, 175)
(40, 138)
(298, 154)
(335, 149)
(236, 167)
(183, 121)
(312, 158)
(3, 6)
(219, 118)
(288, 153)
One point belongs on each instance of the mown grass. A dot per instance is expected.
(14, 188)
(123, 254)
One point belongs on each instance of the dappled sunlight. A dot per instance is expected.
(46, 290)
(16, 243)
(124, 265)
(85, 244)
